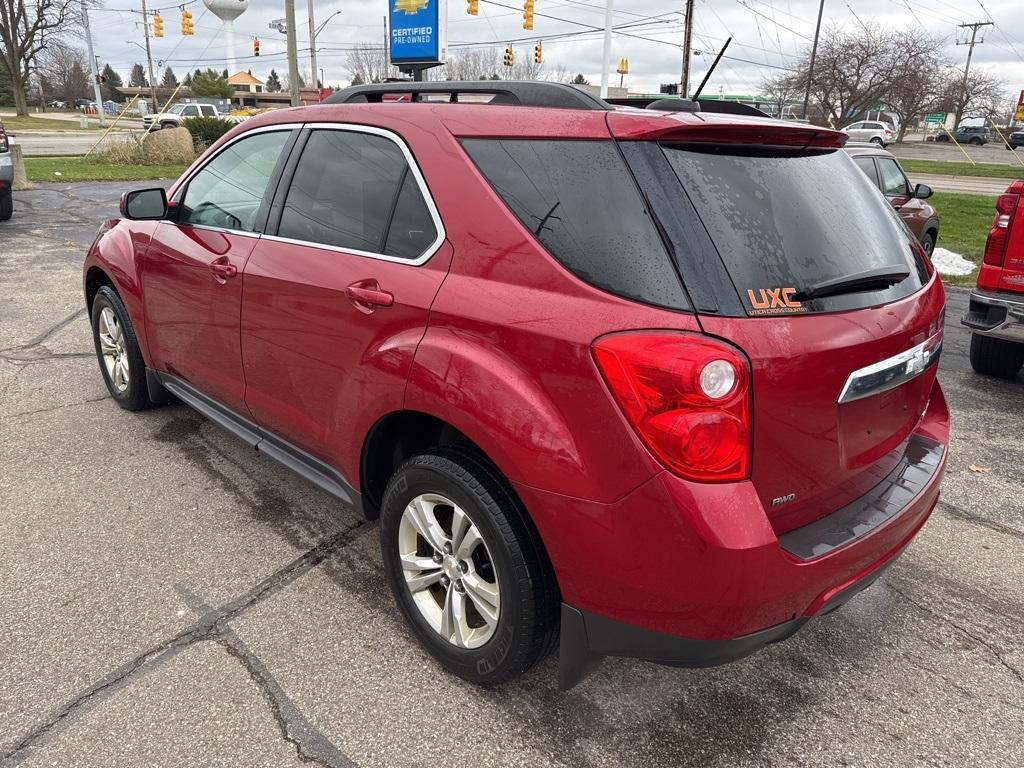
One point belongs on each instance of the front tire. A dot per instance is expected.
(996, 357)
(466, 568)
(117, 349)
(928, 243)
(876, 140)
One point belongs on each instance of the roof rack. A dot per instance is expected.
(518, 93)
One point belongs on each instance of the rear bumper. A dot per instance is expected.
(694, 575)
(1000, 315)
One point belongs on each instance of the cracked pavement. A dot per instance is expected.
(170, 597)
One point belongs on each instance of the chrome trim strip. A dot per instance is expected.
(893, 371)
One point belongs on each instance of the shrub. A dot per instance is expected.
(166, 147)
(206, 130)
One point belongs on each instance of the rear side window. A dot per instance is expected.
(355, 191)
(580, 201)
(867, 164)
(784, 222)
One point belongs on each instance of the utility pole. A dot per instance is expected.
(293, 53)
(149, 56)
(684, 80)
(94, 65)
(810, 68)
(312, 44)
(974, 27)
(606, 58)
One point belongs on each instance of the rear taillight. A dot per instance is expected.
(687, 397)
(4, 143)
(999, 234)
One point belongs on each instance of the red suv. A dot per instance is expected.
(995, 314)
(656, 384)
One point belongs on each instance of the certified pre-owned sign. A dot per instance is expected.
(419, 31)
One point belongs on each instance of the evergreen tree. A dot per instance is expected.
(187, 82)
(358, 79)
(580, 80)
(169, 81)
(225, 74)
(273, 83)
(114, 80)
(210, 85)
(138, 77)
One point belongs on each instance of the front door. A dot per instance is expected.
(192, 274)
(336, 303)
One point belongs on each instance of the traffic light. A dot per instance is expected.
(473, 7)
(510, 56)
(158, 26)
(188, 27)
(623, 68)
(100, 80)
(538, 53)
(255, 46)
(528, 14)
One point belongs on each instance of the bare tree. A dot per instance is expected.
(26, 28)
(917, 78)
(370, 63)
(781, 88)
(983, 95)
(477, 64)
(63, 68)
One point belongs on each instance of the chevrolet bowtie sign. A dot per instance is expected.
(418, 31)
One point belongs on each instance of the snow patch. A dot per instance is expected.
(952, 264)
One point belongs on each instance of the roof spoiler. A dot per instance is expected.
(678, 105)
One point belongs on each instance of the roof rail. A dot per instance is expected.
(519, 93)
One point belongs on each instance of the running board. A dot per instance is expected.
(311, 468)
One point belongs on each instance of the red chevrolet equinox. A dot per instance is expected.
(643, 383)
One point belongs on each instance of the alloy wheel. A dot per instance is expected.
(449, 570)
(113, 349)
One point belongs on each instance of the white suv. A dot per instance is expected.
(875, 132)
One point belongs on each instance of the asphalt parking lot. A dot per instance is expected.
(169, 597)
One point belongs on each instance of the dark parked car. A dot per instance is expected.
(579, 361)
(1015, 139)
(908, 199)
(6, 176)
(968, 135)
(995, 314)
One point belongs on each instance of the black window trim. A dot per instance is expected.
(268, 194)
(277, 207)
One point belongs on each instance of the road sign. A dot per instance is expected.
(1019, 114)
(935, 117)
(419, 31)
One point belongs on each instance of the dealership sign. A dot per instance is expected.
(418, 31)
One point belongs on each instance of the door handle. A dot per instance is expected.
(222, 268)
(367, 294)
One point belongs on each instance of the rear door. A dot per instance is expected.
(774, 223)
(336, 298)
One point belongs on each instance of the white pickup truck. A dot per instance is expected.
(179, 113)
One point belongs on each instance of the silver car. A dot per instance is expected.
(871, 130)
(6, 176)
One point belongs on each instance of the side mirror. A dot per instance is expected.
(922, 191)
(144, 204)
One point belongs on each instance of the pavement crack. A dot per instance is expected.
(42, 337)
(206, 627)
(50, 409)
(962, 514)
(989, 646)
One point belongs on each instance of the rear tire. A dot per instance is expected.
(876, 140)
(118, 352)
(6, 207)
(433, 488)
(976, 142)
(996, 357)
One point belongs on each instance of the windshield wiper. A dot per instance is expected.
(868, 280)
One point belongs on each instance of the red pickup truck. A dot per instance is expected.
(996, 311)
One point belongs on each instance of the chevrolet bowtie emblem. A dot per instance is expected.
(410, 6)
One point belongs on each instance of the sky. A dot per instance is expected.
(767, 35)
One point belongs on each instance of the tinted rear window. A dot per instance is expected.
(788, 222)
(580, 201)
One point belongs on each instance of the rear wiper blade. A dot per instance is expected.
(868, 280)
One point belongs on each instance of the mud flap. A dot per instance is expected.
(575, 659)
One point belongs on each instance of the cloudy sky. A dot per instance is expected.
(767, 34)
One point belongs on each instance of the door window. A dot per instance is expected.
(867, 165)
(228, 192)
(355, 191)
(894, 183)
(207, 110)
(190, 111)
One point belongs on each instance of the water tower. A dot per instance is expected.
(227, 11)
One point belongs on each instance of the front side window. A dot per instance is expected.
(894, 183)
(356, 191)
(229, 190)
(190, 111)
